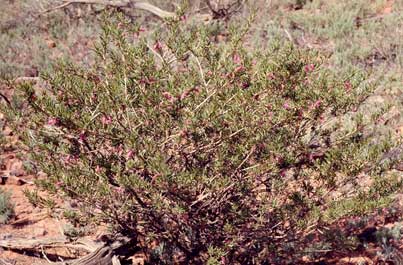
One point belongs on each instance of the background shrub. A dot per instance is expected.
(6, 207)
(203, 151)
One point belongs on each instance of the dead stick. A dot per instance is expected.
(133, 4)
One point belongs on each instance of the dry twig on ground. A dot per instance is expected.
(118, 4)
(100, 254)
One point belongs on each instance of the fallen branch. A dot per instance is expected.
(120, 4)
(31, 244)
(5, 99)
(100, 254)
(3, 262)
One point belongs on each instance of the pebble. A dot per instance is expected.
(17, 172)
(40, 231)
(51, 43)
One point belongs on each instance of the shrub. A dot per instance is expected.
(203, 152)
(6, 207)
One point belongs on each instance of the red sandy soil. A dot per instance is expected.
(28, 221)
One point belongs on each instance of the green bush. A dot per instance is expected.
(6, 207)
(203, 152)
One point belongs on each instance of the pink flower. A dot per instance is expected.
(143, 81)
(98, 169)
(196, 90)
(300, 113)
(347, 85)
(309, 68)
(379, 120)
(316, 104)
(130, 154)
(59, 184)
(183, 18)
(118, 149)
(141, 29)
(279, 160)
(158, 46)
(106, 120)
(168, 96)
(54, 121)
(236, 58)
(283, 173)
(322, 118)
(119, 190)
(245, 85)
(271, 76)
(286, 105)
(69, 160)
(82, 136)
(185, 94)
(240, 68)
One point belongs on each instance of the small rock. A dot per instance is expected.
(3, 180)
(41, 175)
(138, 259)
(376, 99)
(7, 131)
(17, 172)
(16, 169)
(399, 166)
(73, 204)
(10, 156)
(10, 180)
(37, 210)
(400, 130)
(31, 72)
(6, 236)
(40, 231)
(51, 43)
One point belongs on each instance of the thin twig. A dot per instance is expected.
(200, 69)
(56, 7)
(121, 4)
(246, 158)
(156, 53)
(5, 99)
(290, 38)
(204, 101)
(44, 255)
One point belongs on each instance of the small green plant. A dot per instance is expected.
(33, 197)
(38, 201)
(71, 231)
(204, 151)
(75, 217)
(6, 207)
